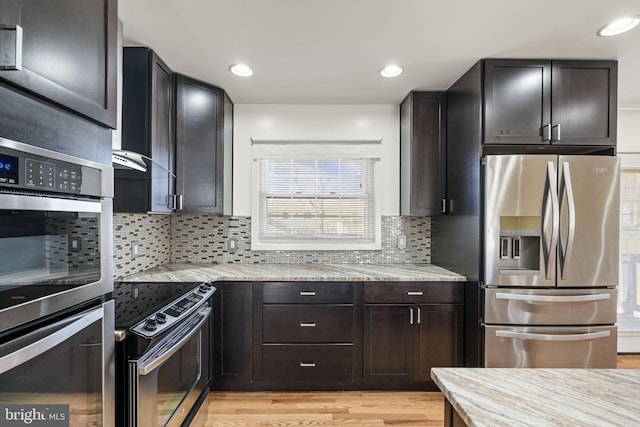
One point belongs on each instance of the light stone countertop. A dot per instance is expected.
(295, 272)
(542, 397)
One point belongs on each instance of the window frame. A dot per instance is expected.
(261, 242)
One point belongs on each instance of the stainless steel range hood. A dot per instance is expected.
(124, 159)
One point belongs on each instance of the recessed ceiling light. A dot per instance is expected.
(241, 70)
(619, 26)
(391, 71)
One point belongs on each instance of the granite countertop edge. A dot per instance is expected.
(183, 272)
(519, 397)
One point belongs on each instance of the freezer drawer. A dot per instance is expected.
(550, 347)
(550, 306)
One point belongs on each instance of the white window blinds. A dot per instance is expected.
(316, 198)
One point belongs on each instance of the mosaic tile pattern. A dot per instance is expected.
(153, 234)
(203, 239)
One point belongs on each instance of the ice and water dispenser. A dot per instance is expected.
(520, 238)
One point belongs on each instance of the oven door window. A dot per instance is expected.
(47, 251)
(177, 377)
(63, 367)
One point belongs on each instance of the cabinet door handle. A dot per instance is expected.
(557, 138)
(307, 324)
(410, 315)
(443, 205)
(180, 202)
(307, 364)
(546, 128)
(308, 293)
(16, 48)
(172, 201)
(419, 315)
(415, 293)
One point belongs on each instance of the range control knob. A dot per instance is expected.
(161, 318)
(150, 324)
(204, 288)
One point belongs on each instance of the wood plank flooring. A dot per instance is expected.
(333, 409)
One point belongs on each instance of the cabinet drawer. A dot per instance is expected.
(304, 362)
(307, 293)
(414, 292)
(307, 324)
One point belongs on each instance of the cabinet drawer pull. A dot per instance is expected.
(307, 364)
(415, 293)
(308, 293)
(307, 324)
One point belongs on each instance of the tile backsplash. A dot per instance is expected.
(197, 239)
(153, 236)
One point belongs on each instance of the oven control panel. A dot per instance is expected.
(39, 169)
(172, 313)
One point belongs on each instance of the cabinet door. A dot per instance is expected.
(517, 106)
(584, 102)
(423, 153)
(199, 146)
(162, 142)
(387, 343)
(439, 342)
(236, 331)
(68, 53)
(147, 128)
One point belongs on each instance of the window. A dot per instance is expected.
(628, 296)
(315, 203)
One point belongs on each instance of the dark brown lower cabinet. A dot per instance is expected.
(232, 354)
(336, 336)
(410, 328)
(315, 364)
(403, 342)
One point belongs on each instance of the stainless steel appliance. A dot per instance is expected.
(55, 232)
(69, 362)
(550, 260)
(163, 351)
(56, 320)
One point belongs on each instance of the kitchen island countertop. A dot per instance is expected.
(177, 272)
(542, 397)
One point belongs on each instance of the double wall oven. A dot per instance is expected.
(56, 316)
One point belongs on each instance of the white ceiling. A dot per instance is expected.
(331, 51)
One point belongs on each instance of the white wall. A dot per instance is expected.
(629, 130)
(317, 122)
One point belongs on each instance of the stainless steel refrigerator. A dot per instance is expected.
(550, 261)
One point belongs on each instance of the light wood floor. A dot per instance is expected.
(362, 409)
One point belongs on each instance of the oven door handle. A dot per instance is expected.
(21, 202)
(41, 346)
(153, 363)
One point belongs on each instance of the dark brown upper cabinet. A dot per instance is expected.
(204, 117)
(559, 102)
(147, 128)
(423, 154)
(68, 53)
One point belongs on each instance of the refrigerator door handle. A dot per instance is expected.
(553, 298)
(550, 193)
(566, 188)
(553, 337)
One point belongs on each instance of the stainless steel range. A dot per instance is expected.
(163, 351)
